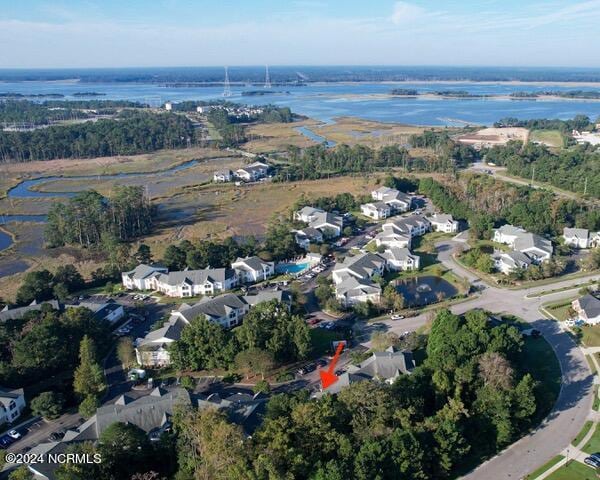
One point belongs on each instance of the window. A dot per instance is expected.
(12, 405)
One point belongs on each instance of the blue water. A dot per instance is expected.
(325, 101)
(424, 290)
(307, 132)
(23, 189)
(291, 267)
(5, 239)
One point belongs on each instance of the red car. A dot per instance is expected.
(314, 321)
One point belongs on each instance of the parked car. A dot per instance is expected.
(14, 434)
(321, 362)
(397, 317)
(313, 321)
(596, 456)
(592, 462)
(5, 441)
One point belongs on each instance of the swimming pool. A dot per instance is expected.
(291, 267)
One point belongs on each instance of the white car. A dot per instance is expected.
(14, 434)
(397, 317)
(570, 322)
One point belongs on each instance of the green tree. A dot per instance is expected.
(48, 405)
(254, 360)
(143, 254)
(21, 473)
(125, 450)
(203, 345)
(89, 377)
(37, 286)
(126, 352)
(70, 277)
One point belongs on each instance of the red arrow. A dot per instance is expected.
(327, 376)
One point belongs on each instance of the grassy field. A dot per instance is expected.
(321, 340)
(275, 137)
(546, 466)
(584, 431)
(552, 138)
(590, 335)
(559, 310)
(593, 444)
(574, 471)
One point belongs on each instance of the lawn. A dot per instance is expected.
(590, 335)
(546, 466)
(539, 360)
(559, 310)
(552, 138)
(584, 431)
(574, 471)
(593, 444)
(321, 340)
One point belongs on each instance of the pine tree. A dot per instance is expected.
(89, 377)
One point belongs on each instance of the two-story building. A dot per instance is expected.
(441, 222)
(253, 269)
(12, 404)
(190, 283)
(142, 277)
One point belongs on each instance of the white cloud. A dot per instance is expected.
(405, 12)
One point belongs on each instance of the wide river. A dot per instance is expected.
(325, 101)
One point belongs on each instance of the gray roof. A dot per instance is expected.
(576, 232)
(510, 230)
(590, 305)
(243, 409)
(322, 218)
(352, 287)
(19, 312)
(396, 253)
(148, 413)
(11, 393)
(267, 296)
(405, 224)
(254, 263)
(144, 271)
(212, 307)
(377, 205)
(363, 265)
(442, 218)
(531, 240)
(171, 329)
(386, 365)
(517, 258)
(308, 211)
(197, 277)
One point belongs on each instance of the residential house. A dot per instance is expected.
(362, 266)
(413, 226)
(443, 223)
(222, 176)
(329, 224)
(282, 296)
(253, 269)
(384, 366)
(588, 309)
(12, 404)
(397, 201)
(253, 172)
(307, 214)
(352, 290)
(508, 262)
(152, 414)
(153, 349)
(577, 237)
(190, 283)
(376, 210)
(390, 238)
(17, 313)
(141, 277)
(507, 234)
(400, 259)
(241, 408)
(306, 236)
(227, 310)
(110, 311)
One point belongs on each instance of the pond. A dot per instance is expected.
(418, 291)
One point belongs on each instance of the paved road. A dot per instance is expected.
(575, 399)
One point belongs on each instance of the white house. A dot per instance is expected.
(329, 224)
(443, 223)
(351, 290)
(306, 236)
(141, 277)
(253, 269)
(510, 261)
(376, 210)
(223, 176)
(412, 226)
(168, 106)
(400, 259)
(362, 266)
(12, 404)
(307, 214)
(253, 172)
(189, 283)
(577, 237)
(507, 234)
(588, 309)
(390, 238)
(398, 201)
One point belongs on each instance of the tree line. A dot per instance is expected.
(131, 132)
(486, 202)
(578, 122)
(469, 399)
(88, 218)
(576, 169)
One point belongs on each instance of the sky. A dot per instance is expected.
(122, 33)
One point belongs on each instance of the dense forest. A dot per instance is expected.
(449, 154)
(36, 113)
(484, 202)
(88, 218)
(578, 122)
(129, 133)
(471, 397)
(576, 168)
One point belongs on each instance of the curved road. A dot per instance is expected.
(574, 402)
